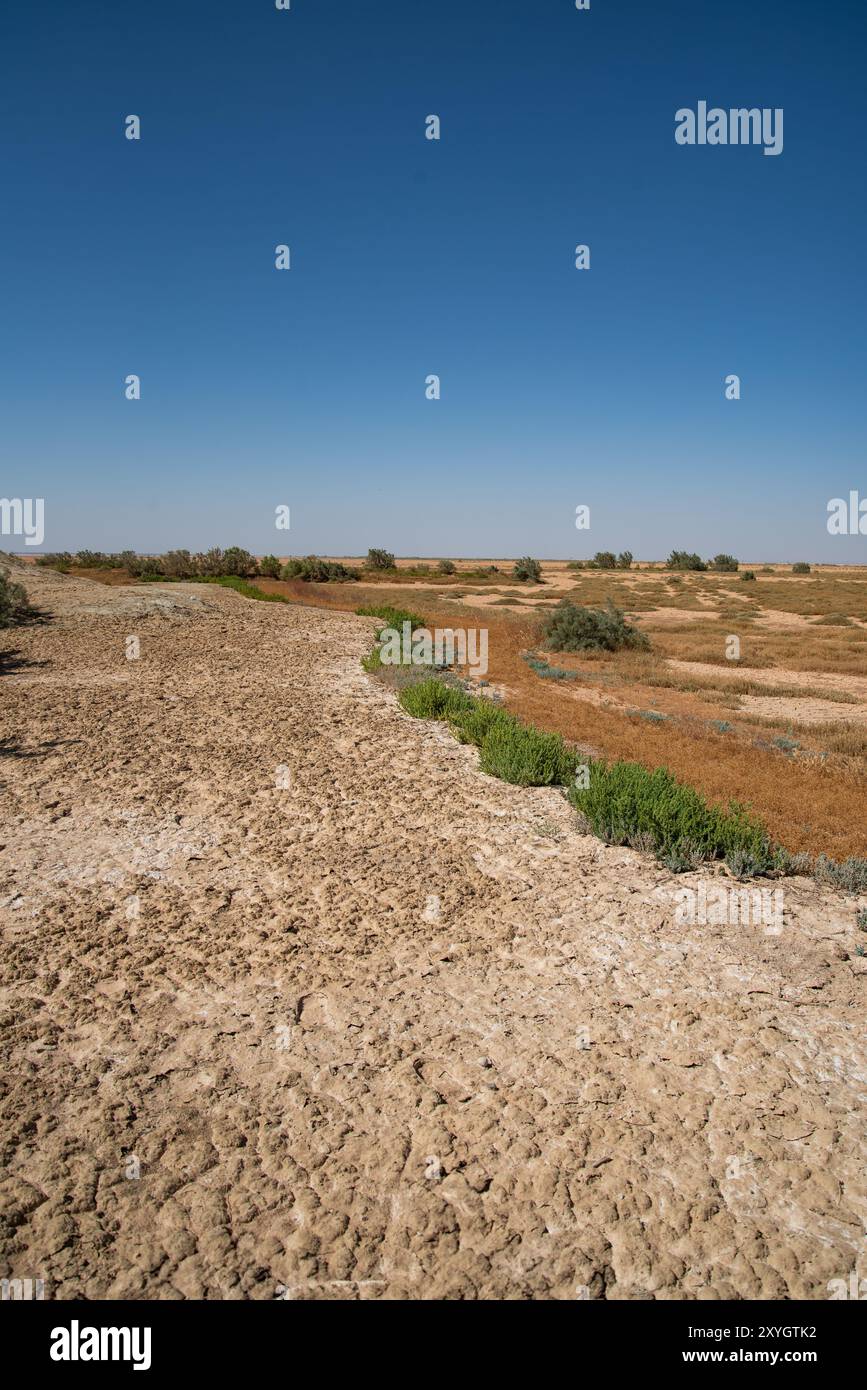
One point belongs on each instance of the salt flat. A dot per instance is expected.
(298, 1003)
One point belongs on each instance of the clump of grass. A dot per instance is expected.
(550, 673)
(786, 744)
(623, 799)
(722, 726)
(747, 576)
(834, 620)
(861, 919)
(574, 629)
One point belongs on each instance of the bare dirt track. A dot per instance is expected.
(393, 1030)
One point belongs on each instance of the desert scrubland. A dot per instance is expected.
(298, 1002)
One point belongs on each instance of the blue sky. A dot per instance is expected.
(409, 257)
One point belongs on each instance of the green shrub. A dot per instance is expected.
(379, 560)
(527, 570)
(446, 567)
(801, 567)
(727, 563)
(238, 562)
(524, 756)
(624, 798)
(176, 564)
(747, 576)
(313, 570)
(604, 560)
(574, 629)
(433, 699)
(624, 560)
(475, 721)
(269, 567)
(92, 559)
(683, 560)
(211, 563)
(15, 607)
(61, 561)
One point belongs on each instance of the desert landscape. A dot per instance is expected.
(301, 1003)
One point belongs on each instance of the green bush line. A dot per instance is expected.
(623, 803)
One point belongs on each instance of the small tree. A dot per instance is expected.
(527, 570)
(727, 563)
(238, 562)
(683, 560)
(801, 567)
(624, 560)
(605, 560)
(379, 560)
(210, 563)
(269, 567)
(446, 567)
(176, 564)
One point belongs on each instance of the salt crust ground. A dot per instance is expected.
(395, 1030)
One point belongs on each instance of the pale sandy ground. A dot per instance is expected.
(396, 1030)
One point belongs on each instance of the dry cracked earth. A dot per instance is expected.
(297, 1003)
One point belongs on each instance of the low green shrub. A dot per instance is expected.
(524, 755)
(574, 629)
(433, 699)
(800, 567)
(624, 798)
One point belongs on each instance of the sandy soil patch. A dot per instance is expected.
(294, 997)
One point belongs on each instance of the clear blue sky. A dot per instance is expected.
(412, 257)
